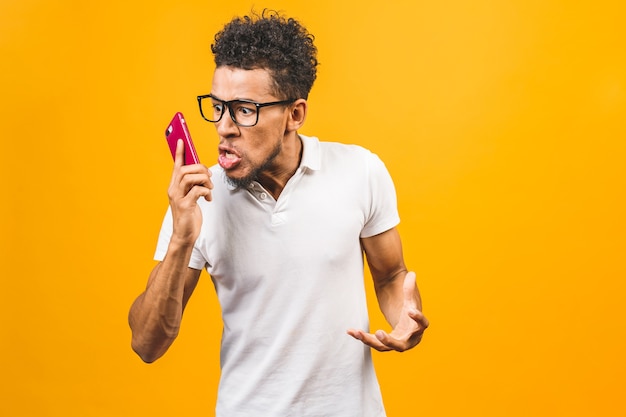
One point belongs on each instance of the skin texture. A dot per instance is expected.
(156, 315)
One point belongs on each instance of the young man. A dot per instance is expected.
(281, 224)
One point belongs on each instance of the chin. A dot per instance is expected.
(239, 182)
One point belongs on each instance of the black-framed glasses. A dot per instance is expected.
(244, 113)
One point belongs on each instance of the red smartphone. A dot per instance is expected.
(177, 129)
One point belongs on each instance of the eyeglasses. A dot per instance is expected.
(244, 113)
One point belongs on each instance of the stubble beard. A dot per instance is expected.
(245, 182)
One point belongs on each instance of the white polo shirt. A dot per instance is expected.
(289, 278)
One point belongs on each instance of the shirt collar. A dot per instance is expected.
(311, 157)
(311, 153)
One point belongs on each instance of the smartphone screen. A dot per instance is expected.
(177, 129)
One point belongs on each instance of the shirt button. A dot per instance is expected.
(262, 196)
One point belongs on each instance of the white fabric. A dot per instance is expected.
(289, 277)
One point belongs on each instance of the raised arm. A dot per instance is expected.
(156, 314)
(397, 293)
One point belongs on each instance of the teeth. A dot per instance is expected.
(230, 155)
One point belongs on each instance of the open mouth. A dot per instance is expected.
(228, 158)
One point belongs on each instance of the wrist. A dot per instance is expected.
(180, 244)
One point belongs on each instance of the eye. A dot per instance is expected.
(244, 109)
(218, 108)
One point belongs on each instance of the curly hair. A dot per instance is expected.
(270, 41)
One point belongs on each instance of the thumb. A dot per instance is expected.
(409, 287)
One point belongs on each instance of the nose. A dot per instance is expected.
(227, 126)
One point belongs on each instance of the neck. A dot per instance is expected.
(275, 178)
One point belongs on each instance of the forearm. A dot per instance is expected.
(156, 315)
(391, 296)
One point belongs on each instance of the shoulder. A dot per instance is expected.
(331, 152)
(351, 157)
(345, 149)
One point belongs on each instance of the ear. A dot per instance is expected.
(297, 115)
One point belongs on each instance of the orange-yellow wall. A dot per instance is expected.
(502, 122)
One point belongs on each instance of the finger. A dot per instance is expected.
(419, 318)
(390, 342)
(179, 159)
(185, 178)
(209, 186)
(195, 191)
(191, 179)
(198, 191)
(368, 339)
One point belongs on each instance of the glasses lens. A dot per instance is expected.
(211, 110)
(244, 113)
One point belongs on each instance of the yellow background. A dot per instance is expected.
(502, 123)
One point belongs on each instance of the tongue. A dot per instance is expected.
(228, 160)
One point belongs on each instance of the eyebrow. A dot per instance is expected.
(216, 98)
(229, 101)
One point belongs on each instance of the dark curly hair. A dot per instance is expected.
(270, 41)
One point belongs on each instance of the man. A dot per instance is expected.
(281, 225)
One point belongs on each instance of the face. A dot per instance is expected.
(245, 153)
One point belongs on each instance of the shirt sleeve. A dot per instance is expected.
(383, 212)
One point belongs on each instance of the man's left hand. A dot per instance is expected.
(408, 331)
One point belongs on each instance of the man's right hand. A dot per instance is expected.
(188, 184)
(156, 314)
